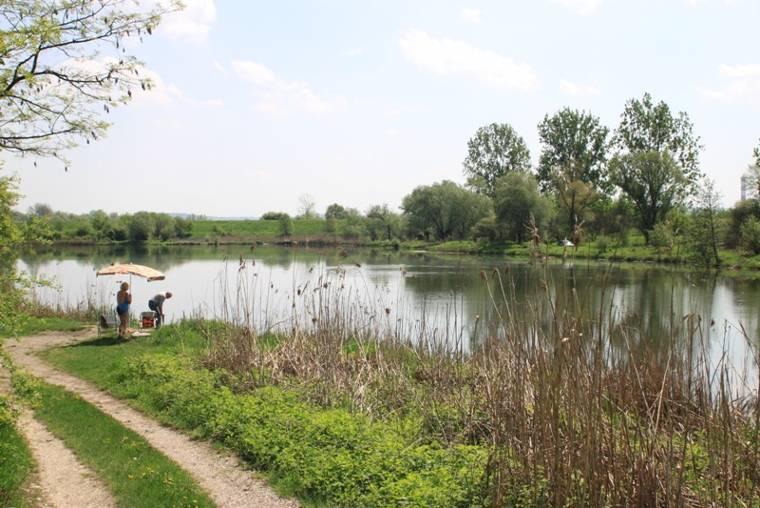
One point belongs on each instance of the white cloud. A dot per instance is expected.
(278, 95)
(572, 88)
(448, 57)
(192, 24)
(471, 15)
(741, 84)
(582, 7)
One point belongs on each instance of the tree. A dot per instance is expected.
(10, 238)
(704, 234)
(756, 154)
(59, 59)
(307, 208)
(573, 157)
(444, 210)
(286, 225)
(336, 211)
(649, 127)
(494, 151)
(516, 200)
(382, 223)
(653, 182)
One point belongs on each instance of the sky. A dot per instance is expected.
(258, 103)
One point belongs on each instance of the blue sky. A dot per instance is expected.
(357, 102)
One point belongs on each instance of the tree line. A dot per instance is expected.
(591, 181)
(41, 224)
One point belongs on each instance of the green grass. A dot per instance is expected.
(30, 325)
(325, 456)
(258, 229)
(15, 460)
(136, 474)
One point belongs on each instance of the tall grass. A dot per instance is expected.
(575, 405)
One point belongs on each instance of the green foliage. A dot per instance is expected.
(574, 148)
(653, 182)
(494, 151)
(10, 237)
(649, 127)
(336, 211)
(286, 225)
(750, 236)
(382, 224)
(331, 456)
(743, 211)
(572, 163)
(274, 215)
(703, 233)
(444, 211)
(354, 225)
(101, 227)
(135, 472)
(516, 200)
(756, 155)
(15, 458)
(48, 99)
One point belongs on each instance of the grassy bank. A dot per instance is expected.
(16, 462)
(325, 455)
(343, 414)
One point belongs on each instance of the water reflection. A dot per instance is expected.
(455, 296)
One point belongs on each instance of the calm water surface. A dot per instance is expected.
(410, 292)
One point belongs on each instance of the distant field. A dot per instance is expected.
(259, 228)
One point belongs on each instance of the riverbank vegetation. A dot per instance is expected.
(596, 192)
(558, 404)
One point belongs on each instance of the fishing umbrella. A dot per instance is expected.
(130, 269)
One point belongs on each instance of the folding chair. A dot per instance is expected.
(108, 321)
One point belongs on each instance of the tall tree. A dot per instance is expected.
(517, 200)
(756, 153)
(62, 61)
(704, 234)
(654, 183)
(649, 127)
(494, 151)
(444, 210)
(573, 157)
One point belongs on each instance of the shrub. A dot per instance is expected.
(274, 216)
(750, 236)
(332, 455)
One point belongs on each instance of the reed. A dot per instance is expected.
(575, 405)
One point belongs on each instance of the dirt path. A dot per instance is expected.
(223, 476)
(60, 479)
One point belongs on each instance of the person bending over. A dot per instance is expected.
(156, 304)
(123, 299)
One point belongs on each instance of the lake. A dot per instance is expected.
(410, 294)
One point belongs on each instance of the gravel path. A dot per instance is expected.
(222, 475)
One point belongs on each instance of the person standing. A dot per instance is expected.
(156, 304)
(123, 300)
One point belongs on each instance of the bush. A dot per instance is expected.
(750, 236)
(286, 225)
(274, 216)
(330, 455)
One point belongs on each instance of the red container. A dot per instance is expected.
(147, 320)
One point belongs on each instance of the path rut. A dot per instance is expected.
(223, 476)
